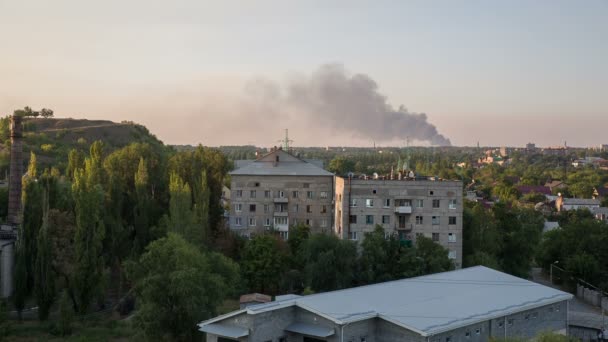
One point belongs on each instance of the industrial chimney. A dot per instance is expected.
(8, 232)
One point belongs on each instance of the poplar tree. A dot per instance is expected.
(88, 276)
(141, 223)
(182, 219)
(44, 276)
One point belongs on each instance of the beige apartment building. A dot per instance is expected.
(279, 190)
(406, 207)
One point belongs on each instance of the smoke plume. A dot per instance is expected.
(344, 103)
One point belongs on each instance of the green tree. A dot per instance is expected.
(178, 286)
(330, 263)
(263, 263)
(44, 276)
(141, 210)
(434, 257)
(66, 315)
(182, 218)
(341, 166)
(88, 276)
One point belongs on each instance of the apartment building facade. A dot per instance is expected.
(279, 190)
(407, 208)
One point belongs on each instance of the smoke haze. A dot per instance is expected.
(346, 105)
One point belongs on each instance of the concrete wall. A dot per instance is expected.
(592, 297)
(296, 207)
(381, 190)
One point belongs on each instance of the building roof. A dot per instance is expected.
(601, 192)
(287, 165)
(580, 201)
(528, 189)
(427, 305)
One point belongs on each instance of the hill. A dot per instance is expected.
(51, 139)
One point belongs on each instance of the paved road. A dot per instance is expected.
(579, 312)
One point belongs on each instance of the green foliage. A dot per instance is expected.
(66, 315)
(263, 263)
(330, 263)
(88, 276)
(44, 280)
(434, 256)
(341, 166)
(178, 286)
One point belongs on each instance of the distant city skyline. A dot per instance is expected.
(236, 73)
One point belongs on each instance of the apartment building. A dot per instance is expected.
(470, 305)
(407, 207)
(279, 190)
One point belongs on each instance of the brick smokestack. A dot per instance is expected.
(16, 172)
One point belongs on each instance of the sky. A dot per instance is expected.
(332, 72)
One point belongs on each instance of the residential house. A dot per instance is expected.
(473, 304)
(564, 204)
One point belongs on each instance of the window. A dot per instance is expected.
(282, 339)
(477, 331)
(352, 219)
(436, 203)
(284, 235)
(534, 315)
(448, 339)
(310, 194)
(252, 221)
(557, 308)
(353, 202)
(527, 316)
(452, 220)
(435, 220)
(387, 203)
(266, 208)
(323, 209)
(309, 208)
(467, 334)
(419, 220)
(352, 235)
(238, 207)
(323, 223)
(452, 255)
(510, 322)
(369, 219)
(239, 193)
(252, 193)
(436, 237)
(306, 185)
(257, 184)
(386, 219)
(267, 222)
(369, 203)
(374, 191)
(323, 194)
(419, 203)
(309, 222)
(501, 324)
(402, 221)
(281, 194)
(295, 194)
(451, 237)
(280, 220)
(452, 204)
(238, 221)
(280, 207)
(403, 203)
(431, 192)
(267, 193)
(252, 208)
(363, 339)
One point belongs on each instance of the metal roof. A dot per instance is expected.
(430, 304)
(224, 330)
(310, 329)
(288, 165)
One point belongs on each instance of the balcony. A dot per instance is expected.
(406, 226)
(281, 213)
(281, 200)
(282, 227)
(403, 210)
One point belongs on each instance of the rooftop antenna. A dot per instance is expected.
(286, 141)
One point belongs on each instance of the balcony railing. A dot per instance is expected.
(403, 210)
(281, 213)
(281, 200)
(407, 226)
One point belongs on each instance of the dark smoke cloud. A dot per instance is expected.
(345, 103)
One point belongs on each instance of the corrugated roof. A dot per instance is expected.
(431, 304)
(288, 165)
(580, 201)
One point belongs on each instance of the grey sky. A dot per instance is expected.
(501, 72)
